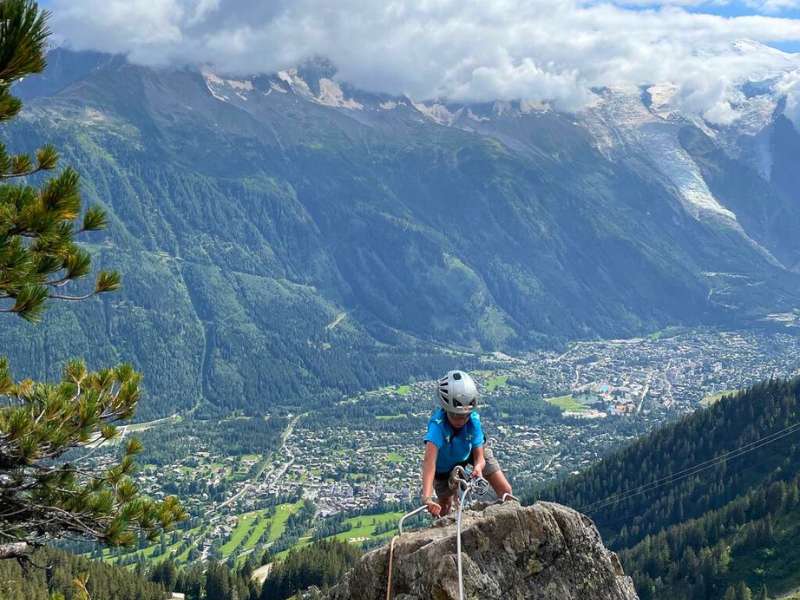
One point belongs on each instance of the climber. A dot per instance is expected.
(455, 437)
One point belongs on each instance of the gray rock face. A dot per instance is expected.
(543, 552)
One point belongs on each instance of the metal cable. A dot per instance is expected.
(465, 484)
(465, 489)
(693, 470)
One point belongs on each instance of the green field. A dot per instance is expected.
(668, 332)
(714, 398)
(388, 417)
(145, 553)
(243, 538)
(403, 390)
(242, 528)
(278, 523)
(496, 382)
(184, 556)
(394, 457)
(367, 527)
(566, 403)
(363, 528)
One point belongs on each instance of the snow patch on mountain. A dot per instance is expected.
(533, 106)
(622, 126)
(214, 85)
(748, 138)
(501, 108)
(278, 88)
(331, 94)
(219, 86)
(473, 117)
(295, 82)
(789, 87)
(661, 96)
(438, 113)
(624, 129)
(240, 86)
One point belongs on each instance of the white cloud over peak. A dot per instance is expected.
(462, 50)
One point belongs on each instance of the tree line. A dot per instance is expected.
(692, 533)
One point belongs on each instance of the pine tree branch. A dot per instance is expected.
(15, 550)
(71, 298)
(8, 515)
(4, 176)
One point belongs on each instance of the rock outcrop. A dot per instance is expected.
(510, 552)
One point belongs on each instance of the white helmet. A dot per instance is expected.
(457, 393)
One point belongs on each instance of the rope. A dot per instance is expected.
(465, 490)
(391, 556)
(391, 546)
(465, 484)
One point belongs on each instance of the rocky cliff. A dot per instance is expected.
(543, 552)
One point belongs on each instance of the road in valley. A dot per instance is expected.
(273, 479)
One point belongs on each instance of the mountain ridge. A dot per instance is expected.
(244, 225)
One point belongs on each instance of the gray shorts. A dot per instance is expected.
(441, 487)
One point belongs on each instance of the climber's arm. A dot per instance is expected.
(478, 462)
(428, 471)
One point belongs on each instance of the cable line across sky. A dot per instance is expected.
(693, 470)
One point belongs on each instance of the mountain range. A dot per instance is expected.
(288, 236)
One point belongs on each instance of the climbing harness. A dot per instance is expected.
(465, 485)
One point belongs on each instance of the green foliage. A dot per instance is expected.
(296, 525)
(218, 582)
(43, 496)
(322, 564)
(23, 33)
(229, 437)
(57, 581)
(38, 254)
(716, 532)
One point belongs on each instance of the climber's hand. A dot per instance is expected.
(433, 508)
(477, 471)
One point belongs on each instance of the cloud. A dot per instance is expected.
(769, 7)
(773, 6)
(462, 50)
(790, 87)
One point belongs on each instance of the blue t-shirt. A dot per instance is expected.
(454, 447)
